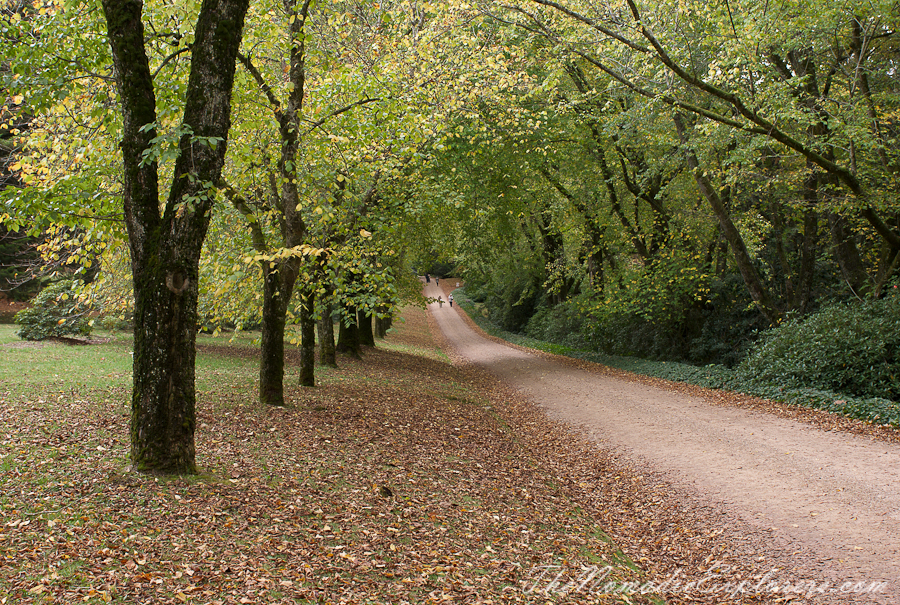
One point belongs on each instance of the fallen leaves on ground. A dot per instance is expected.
(400, 479)
(393, 481)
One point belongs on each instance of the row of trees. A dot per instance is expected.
(662, 169)
(677, 169)
(297, 140)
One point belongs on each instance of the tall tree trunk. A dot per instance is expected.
(163, 402)
(383, 322)
(285, 197)
(366, 334)
(348, 335)
(165, 245)
(808, 255)
(847, 254)
(325, 327)
(278, 285)
(308, 338)
(593, 257)
(758, 291)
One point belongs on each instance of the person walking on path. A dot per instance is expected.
(437, 281)
(450, 298)
(441, 302)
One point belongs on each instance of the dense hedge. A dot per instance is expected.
(847, 348)
(55, 312)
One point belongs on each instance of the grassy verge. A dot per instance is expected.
(871, 409)
(396, 480)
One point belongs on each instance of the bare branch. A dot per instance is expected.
(260, 81)
(338, 112)
(169, 58)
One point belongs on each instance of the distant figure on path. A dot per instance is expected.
(427, 279)
(450, 298)
(437, 281)
(440, 300)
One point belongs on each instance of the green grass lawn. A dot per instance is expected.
(52, 366)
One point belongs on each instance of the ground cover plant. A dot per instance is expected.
(394, 481)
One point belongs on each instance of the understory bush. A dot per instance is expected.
(55, 312)
(851, 348)
(562, 324)
(510, 296)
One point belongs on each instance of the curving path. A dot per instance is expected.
(836, 496)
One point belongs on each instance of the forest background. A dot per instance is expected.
(710, 183)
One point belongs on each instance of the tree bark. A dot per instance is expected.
(852, 268)
(383, 323)
(348, 335)
(277, 290)
(325, 328)
(366, 334)
(165, 247)
(752, 280)
(593, 255)
(808, 256)
(308, 339)
(286, 199)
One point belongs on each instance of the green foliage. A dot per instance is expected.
(659, 291)
(510, 298)
(113, 323)
(847, 348)
(16, 253)
(715, 329)
(57, 311)
(562, 323)
(441, 268)
(111, 293)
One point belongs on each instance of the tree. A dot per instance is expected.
(774, 74)
(165, 241)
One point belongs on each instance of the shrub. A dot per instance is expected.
(846, 348)
(55, 312)
(561, 324)
(114, 323)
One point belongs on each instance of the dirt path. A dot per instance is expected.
(831, 497)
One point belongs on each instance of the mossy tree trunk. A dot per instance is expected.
(325, 328)
(278, 285)
(348, 335)
(308, 338)
(165, 243)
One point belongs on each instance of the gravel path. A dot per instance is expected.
(830, 496)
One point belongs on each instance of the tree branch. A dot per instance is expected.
(260, 81)
(169, 58)
(338, 112)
